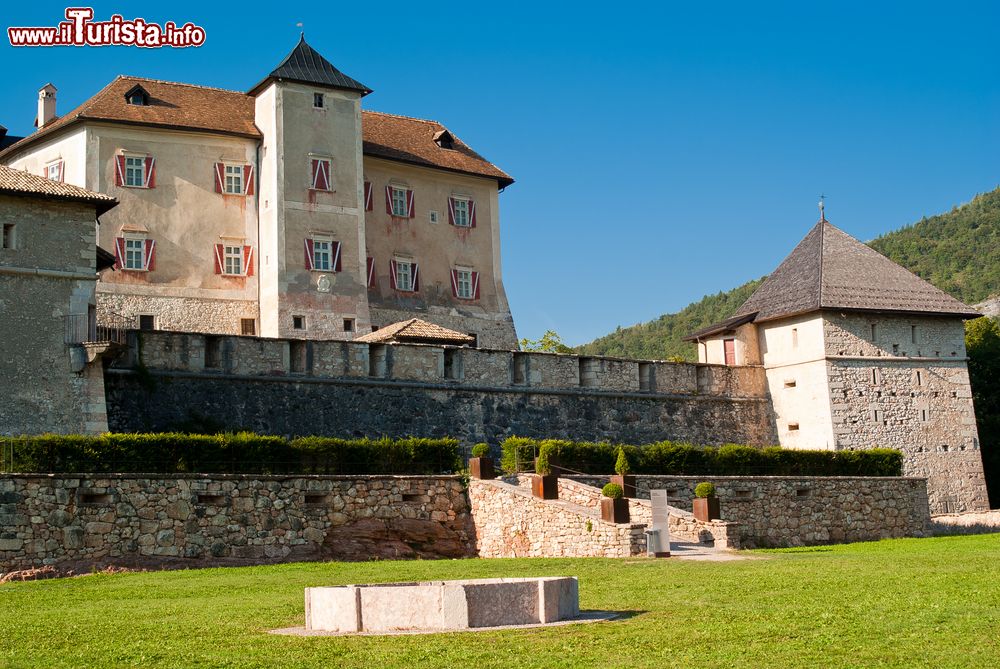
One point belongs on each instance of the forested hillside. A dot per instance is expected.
(958, 252)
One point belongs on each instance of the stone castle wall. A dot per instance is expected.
(776, 511)
(296, 387)
(80, 521)
(186, 314)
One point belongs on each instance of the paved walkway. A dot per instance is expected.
(683, 550)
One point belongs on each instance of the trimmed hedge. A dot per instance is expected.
(666, 458)
(239, 453)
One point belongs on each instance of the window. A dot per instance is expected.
(137, 95)
(876, 415)
(923, 415)
(874, 331)
(318, 100)
(320, 178)
(433, 216)
(920, 378)
(298, 322)
(913, 334)
(234, 179)
(137, 99)
(462, 212)
(790, 383)
(399, 207)
(134, 253)
(465, 283)
(793, 427)
(232, 259)
(54, 171)
(348, 325)
(248, 327)
(876, 377)
(404, 275)
(322, 255)
(8, 236)
(134, 171)
(795, 337)
(147, 322)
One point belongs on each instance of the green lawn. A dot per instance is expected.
(910, 602)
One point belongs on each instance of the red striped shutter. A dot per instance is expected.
(120, 170)
(392, 274)
(371, 272)
(119, 252)
(150, 255)
(454, 278)
(369, 196)
(388, 202)
(336, 256)
(451, 211)
(475, 285)
(414, 277)
(248, 260)
(220, 252)
(62, 170)
(472, 213)
(309, 254)
(220, 178)
(150, 166)
(410, 211)
(248, 179)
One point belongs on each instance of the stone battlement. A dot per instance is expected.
(474, 368)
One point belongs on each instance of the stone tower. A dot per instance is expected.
(861, 353)
(311, 211)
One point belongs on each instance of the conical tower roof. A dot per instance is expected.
(305, 65)
(829, 269)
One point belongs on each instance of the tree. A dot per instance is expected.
(982, 341)
(550, 342)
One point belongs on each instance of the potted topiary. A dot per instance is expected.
(624, 477)
(544, 484)
(481, 464)
(706, 504)
(614, 506)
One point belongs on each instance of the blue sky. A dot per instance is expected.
(661, 152)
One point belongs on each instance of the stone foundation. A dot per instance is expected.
(182, 314)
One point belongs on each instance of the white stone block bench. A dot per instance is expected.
(441, 605)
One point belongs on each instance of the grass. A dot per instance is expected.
(906, 603)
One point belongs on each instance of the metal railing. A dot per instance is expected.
(107, 328)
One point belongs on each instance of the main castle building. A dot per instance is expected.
(286, 211)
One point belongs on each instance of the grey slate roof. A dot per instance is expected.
(305, 65)
(829, 269)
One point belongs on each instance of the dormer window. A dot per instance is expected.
(138, 96)
(444, 139)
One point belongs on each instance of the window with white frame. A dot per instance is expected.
(53, 171)
(135, 253)
(463, 283)
(234, 179)
(322, 255)
(404, 275)
(399, 202)
(135, 171)
(461, 212)
(232, 259)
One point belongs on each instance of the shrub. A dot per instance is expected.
(481, 450)
(517, 453)
(704, 489)
(240, 453)
(542, 466)
(622, 466)
(613, 490)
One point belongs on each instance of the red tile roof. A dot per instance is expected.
(200, 108)
(416, 331)
(17, 182)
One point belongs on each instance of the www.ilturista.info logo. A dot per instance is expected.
(81, 30)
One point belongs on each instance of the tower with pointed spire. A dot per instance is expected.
(861, 353)
(312, 206)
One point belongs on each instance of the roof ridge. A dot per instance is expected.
(408, 118)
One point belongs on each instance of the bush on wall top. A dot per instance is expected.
(666, 458)
(239, 453)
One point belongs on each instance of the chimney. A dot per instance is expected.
(46, 105)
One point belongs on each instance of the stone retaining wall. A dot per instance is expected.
(777, 511)
(81, 521)
(510, 522)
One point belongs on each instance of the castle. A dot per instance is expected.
(286, 211)
(266, 234)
